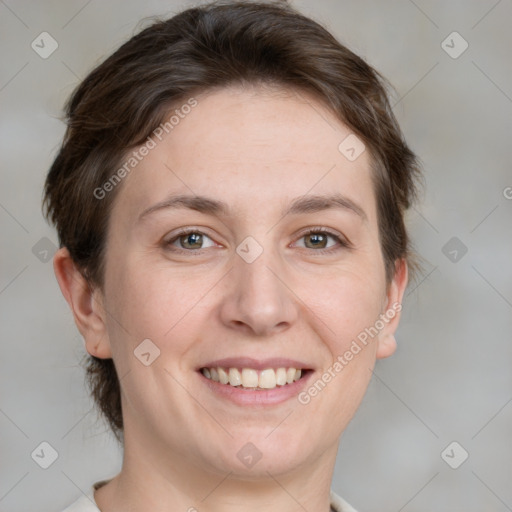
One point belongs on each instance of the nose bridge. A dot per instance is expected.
(258, 297)
(260, 276)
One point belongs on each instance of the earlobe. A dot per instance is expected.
(391, 315)
(85, 303)
(387, 346)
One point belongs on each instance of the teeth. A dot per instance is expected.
(214, 374)
(281, 376)
(267, 379)
(223, 376)
(252, 379)
(235, 379)
(249, 378)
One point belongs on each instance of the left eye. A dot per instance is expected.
(318, 239)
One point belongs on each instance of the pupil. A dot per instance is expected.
(317, 238)
(195, 237)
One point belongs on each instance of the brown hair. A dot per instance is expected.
(121, 102)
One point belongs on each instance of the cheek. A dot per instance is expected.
(346, 308)
(344, 304)
(147, 301)
(345, 313)
(152, 305)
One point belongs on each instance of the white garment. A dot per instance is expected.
(86, 503)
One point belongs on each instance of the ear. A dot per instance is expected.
(391, 314)
(85, 303)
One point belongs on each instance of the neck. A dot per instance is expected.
(150, 479)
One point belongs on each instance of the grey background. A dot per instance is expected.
(451, 377)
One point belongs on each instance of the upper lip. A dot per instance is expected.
(257, 364)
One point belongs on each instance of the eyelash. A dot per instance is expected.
(342, 243)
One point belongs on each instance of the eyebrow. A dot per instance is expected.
(300, 205)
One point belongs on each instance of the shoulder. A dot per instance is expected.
(86, 502)
(82, 504)
(339, 504)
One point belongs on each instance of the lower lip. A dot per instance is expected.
(249, 397)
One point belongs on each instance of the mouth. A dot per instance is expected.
(252, 379)
(251, 382)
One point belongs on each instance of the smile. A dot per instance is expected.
(250, 378)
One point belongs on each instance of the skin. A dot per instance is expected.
(257, 150)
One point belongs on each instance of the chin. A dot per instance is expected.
(254, 455)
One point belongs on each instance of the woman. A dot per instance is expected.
(230, 198)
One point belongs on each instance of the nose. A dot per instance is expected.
(258, 301)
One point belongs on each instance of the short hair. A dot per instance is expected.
(125, 98)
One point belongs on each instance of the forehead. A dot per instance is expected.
(254, 149)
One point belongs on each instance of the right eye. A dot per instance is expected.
(189, 240)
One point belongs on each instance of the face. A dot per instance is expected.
(270, 263)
